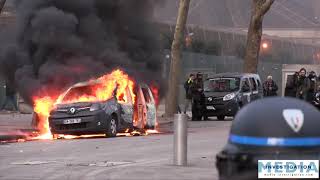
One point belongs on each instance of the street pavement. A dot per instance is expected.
(121, 158)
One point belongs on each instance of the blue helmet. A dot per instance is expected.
(270, 128)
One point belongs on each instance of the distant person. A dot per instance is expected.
(10, 97)
(303, 85)
(197, 97)
(313, 85)
(270, 87)
(187, 88)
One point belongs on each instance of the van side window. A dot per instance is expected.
(259, 83)
(245, 84)
(254, 84)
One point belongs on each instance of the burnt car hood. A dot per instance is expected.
(216, 94)
(75, 105)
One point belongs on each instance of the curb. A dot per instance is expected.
(15, 135)
(12, 137)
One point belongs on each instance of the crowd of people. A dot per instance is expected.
(303, 86)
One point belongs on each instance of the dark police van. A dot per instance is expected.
(226, 93)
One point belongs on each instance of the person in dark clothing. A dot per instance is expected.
(270, 88)
(197, 97)
(303, 85)
(10, 96)
(313, 84)
(187, 88)
(291, 85)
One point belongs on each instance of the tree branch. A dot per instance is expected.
(2, 2)
(265, 7)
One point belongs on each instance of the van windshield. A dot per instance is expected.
(222, 85)
(81, 94)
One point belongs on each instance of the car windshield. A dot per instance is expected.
(222, 85)
(81, 94)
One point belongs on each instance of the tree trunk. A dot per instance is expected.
(175, 67)
(253, 45)
(2, 3)
(259, 9)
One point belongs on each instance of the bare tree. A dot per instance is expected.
(258, 10)
(172, 95)
(2, 3)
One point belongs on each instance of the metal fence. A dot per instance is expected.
(207, 64)
(231, 39)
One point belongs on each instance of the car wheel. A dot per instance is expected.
(55, 136)
(239, 107)
(221, 118)
(112, 128)
(195, 118)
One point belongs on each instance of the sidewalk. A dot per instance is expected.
(15, 121)
(14, 126)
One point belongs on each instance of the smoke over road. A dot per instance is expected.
(59, 42)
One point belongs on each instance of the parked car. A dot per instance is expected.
(102, 117)
(226, 93)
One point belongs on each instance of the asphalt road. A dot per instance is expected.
(121, 158)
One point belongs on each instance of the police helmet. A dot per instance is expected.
(271, 128)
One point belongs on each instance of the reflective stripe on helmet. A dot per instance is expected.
(272, 141)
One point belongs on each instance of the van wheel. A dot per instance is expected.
(112, 127)
(221, 118)
(240, 105)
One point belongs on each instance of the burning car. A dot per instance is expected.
(109, 105)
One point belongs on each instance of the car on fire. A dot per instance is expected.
(117, 114)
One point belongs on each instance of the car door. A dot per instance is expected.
(260, 88)
(254, 88)
(246, 91)
(140, 110)
(151, 107)
(146, 108)
(127, 107)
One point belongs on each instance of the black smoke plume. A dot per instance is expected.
(61, 42)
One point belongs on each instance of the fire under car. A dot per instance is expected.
(108, 117)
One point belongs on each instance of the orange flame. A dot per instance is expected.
(102, 90)
(42, 107)
(155, 92)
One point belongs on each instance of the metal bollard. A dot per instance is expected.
(180, 140)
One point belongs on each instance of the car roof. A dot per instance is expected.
(86, 83)
(239, 75)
